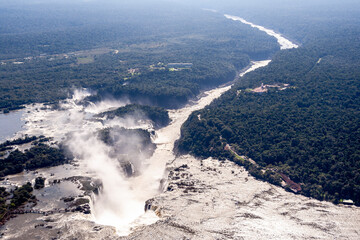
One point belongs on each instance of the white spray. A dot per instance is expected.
(121, 202)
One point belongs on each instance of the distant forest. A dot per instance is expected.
(310, 131)
(120, 52)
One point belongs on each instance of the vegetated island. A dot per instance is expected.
(11, 201)
(13, 161)
(38, 155)
(157, 115)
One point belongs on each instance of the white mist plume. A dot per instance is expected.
(129, 122)
(117, 204)
(105, 105)
(120, 202)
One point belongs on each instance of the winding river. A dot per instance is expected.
(225, 203)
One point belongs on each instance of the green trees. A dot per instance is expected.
(21, 195)
(159, 116)
(36, 157)
(217, 47)
(39, 182)
(309, 131)
(17, 198)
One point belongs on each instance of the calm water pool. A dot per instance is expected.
(10, 123)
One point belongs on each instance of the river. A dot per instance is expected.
(10, 123)
(209, 199)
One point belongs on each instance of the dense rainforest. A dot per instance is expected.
(120, 51)
(307, 131)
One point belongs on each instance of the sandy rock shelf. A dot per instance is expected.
(210, 199)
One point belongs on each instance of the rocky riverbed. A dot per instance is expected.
(210, 199)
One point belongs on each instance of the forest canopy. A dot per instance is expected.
(308, 131)
(122, 53)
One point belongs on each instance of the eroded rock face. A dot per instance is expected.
(151, 205)
(210, 199)
(128, 169)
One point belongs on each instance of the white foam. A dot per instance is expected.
(284, 43)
